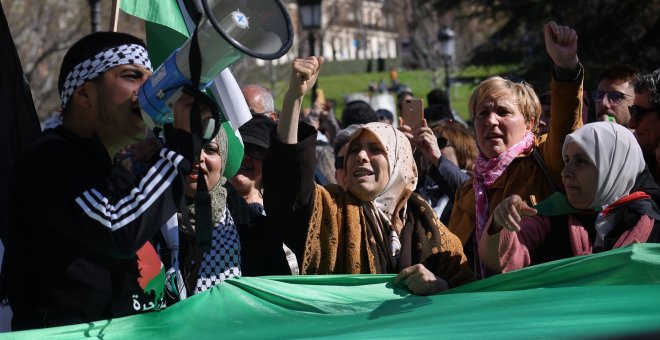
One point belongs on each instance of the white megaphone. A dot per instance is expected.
(228, 31)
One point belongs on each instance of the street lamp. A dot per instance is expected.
(95, 14)
(447, 39)
(310, 20)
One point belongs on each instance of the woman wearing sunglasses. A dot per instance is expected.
(247, 181)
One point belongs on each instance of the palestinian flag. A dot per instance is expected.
(169, 24)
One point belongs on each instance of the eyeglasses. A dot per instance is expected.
(615, 97)
(636, 111)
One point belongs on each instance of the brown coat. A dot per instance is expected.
(327, 228)
(339, 240)
(524, 176)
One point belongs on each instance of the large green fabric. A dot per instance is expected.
(611, 294)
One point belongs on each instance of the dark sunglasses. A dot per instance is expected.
(339, 162)
(255, 152)
(614, 97)
(637, 111)
(443, 142)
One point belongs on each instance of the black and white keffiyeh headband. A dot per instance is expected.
(101, 62)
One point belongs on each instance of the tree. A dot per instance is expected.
(610, 31)
(42, 31)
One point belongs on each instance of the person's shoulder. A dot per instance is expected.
(48, 144)
(52, 153)
(44, 159)
(52, 138)
(518, 173)
(464, 199)
(333, 190)
(337, 194)
(466, 187)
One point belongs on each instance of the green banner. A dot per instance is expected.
(612, 294)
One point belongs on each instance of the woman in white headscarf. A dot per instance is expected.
(377, 224)
(602, 161)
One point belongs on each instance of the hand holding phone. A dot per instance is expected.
(412, 111)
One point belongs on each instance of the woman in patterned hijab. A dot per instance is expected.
(391, 166)
(203, 270)
(377, 224)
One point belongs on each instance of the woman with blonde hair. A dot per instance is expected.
(511, 160)
(604, 211)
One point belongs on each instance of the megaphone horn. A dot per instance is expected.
(229, 30)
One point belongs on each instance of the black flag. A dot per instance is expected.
(19, 123)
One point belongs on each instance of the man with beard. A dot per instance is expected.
(77, 247)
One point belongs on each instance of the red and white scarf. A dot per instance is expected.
(486, 172)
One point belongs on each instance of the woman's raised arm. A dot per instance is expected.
(304, 73)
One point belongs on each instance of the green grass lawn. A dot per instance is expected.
(420, 81)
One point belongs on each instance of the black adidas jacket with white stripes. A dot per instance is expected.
(78, 226)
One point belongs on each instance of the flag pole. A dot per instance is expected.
(114, 16)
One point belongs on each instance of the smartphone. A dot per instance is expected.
(412, 111)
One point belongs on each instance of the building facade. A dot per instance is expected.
(350, 30)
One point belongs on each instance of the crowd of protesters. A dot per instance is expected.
(440, 205)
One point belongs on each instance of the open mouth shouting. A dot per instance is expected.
(195, 171)
(494, 135)
(363, 173)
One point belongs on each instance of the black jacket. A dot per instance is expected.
(76, 224)
(446, 178)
